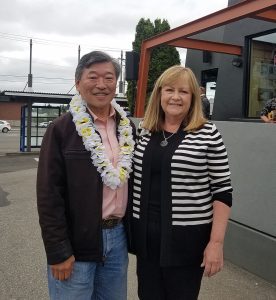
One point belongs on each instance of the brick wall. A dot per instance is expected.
(10, 111)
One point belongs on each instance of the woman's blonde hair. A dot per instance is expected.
(154, 115)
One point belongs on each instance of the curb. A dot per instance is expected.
(19, 153)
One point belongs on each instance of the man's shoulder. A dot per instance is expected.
(62, 125)
(63, 120)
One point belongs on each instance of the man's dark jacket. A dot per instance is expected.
(69, 195)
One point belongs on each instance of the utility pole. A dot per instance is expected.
(30, 75)
(79, 50)
(29, 104)
(121, 83)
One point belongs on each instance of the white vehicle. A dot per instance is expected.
(4, 126)
(44, 124)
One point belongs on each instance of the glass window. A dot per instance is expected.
(208, 80)
(42, 116)
(262, 82)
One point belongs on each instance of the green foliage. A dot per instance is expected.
(162, 57)
(144, 30)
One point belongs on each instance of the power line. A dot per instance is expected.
(58, 78)
(35, 62)
(13, 75)
(13, 38)
(40, 77)
(6, 80)
(41, 41)
(40, 82)
(71, 89)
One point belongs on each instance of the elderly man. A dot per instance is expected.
(82, 188)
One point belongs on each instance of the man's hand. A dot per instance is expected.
(213, 258)
(63, 270)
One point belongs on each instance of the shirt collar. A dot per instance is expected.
(95, 118)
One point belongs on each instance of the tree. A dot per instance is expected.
(144, 30)
(162, 57)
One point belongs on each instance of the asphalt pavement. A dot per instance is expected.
(22, 264)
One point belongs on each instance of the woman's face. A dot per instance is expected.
(176, 99)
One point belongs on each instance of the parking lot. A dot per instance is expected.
(22, 264)
(9, 142)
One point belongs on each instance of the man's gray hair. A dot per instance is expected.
(95, 57)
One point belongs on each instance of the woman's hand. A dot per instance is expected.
(212, 258)
(63, 270)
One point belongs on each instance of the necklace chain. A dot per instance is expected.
(168, 136)
(165, 142)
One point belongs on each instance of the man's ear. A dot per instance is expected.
(77, 82)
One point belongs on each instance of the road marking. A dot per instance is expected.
(36, 159)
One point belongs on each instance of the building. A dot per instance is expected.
(253, 74)
(12, 102)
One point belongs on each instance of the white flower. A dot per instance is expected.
(112, 177)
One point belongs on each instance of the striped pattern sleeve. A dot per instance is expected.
(191, 196)
(219, 173)
(199, 174)
(137, 168)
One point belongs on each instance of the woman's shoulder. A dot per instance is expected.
(207, 127)
(141, 131)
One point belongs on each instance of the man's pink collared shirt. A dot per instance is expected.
(114, 201)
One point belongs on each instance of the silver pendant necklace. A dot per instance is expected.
(165, 142)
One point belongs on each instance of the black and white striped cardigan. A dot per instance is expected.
(196, 173)
(199, 174)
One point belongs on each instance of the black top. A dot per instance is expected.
(155, 195)
(154, 205)
(187, 164)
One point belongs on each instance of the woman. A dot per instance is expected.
(181, 192)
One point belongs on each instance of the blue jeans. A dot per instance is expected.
(97, 281)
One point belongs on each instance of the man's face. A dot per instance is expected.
(97, 86)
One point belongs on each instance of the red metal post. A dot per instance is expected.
(142, 81)
(207, 45)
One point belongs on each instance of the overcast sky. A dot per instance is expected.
(57, 27)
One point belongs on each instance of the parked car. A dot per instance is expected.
(5, 126)
(44, 124)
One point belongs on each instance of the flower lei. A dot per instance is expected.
(112, 177)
